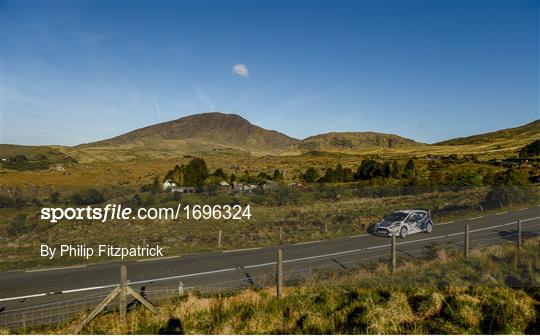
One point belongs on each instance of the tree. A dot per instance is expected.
(410, 169)
(504, 194)
(328, 175)
(277, 175)
(530, 150)
(263, 176)
(212, 180)
(348, 175)
(311, 175)
(155, 187)
(512, 176)
(369, 169)
(176, 175)
(395, 170)
(220, 173)
(387, 170)
(195, 172)
(511, 187)
(338, 173)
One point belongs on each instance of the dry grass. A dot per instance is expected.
(364, 301)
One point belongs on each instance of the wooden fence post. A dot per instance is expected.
(393, 254)
(279, 275)
(97, 310)
(180, 288)
(519, 234)
(123, 293)
(122, 290)
(142, 300)
(466, 243)
(219, 239)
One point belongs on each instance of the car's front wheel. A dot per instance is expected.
(429, 228)
(403, 232)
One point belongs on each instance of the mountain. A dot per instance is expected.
(353, 141)
(230, 134)
(508, 136)
(202, 132)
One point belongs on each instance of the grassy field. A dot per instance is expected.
(120, 166)
(311, 218)
(324, 212)
(495, 291)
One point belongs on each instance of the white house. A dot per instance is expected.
(183, 190)
(168, 185)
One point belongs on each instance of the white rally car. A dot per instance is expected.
(403, 223)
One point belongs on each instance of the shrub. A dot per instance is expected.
(54, 197)
(327, 192)
(87, 197)
(311, 175)
(283, 194)
(18, 225)
(507, 195)
(8, 202)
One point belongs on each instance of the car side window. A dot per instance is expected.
(412, 218)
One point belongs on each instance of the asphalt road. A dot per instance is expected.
(19, 289)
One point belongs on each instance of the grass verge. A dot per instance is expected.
(495, 291)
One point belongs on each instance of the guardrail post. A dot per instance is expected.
(123, 293)
(279, 275)
(393, 254)
(466, 243)
(519, 234)
(219, 239)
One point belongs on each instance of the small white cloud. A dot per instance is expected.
(240, 70)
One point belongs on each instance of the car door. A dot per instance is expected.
(422, 220)
(411, 221)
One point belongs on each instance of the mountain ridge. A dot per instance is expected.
(530, 129)
(220, 130)
(231, 134)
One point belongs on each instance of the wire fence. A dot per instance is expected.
(68, 306)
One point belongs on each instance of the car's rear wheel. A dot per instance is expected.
(403, 232)
(429, 227)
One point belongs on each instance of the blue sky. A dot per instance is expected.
(75, 72)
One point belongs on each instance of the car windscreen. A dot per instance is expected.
(396, 216)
